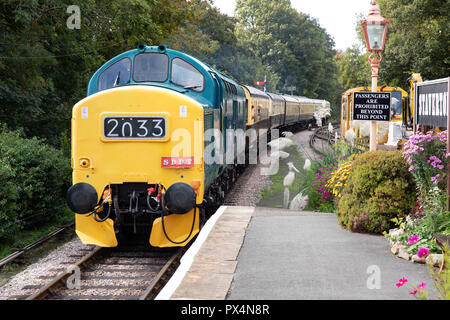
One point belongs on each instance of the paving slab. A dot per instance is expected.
(210, 275)
(296, 256)
(276, 254)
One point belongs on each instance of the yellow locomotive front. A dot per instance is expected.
(137, 166)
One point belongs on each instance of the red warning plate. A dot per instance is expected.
(177, 162)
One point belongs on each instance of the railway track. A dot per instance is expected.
(29, 247)
(109, 274)
(322, 133)
(125, 273)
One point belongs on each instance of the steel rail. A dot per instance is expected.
(30, 246)
(47, 289)
(150, 292)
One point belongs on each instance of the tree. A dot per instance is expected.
(218, 46)
(45, 66)
(353, 67)
(418, 39)
(292, 44)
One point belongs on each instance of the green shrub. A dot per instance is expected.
(379, 188)
(33, 180)
(9, 195)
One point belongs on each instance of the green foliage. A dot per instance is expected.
(9, 198)
(45, 66)
(33, 180)
(417, 39)
(442, 279)
(219, 46)
(435, 221)
(354, 69)
(292, 44)
(426, 154)
(417, 42)
(378, 189)
(319, 197)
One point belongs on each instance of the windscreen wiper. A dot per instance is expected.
(191, 87)
(117, 81)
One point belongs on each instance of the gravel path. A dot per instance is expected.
(248, 187)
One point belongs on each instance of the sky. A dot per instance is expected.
(341, 29)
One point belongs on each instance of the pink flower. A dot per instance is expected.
(413, 292)
(421, 286)
(423, 252)
(401, 282)
(320, 158)
(413, 239)
(435, 179)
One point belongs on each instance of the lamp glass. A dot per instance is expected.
(375, 33)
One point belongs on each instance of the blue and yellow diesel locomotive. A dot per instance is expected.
(139, 140)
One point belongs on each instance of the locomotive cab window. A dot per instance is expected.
(396, 102)
(150, 67)
(115, 75)
(186, 75)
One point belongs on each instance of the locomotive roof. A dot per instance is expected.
(206, 95)
(369, 88)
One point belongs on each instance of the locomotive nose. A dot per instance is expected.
(180, 198)
(82, 198)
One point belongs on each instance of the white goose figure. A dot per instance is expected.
(330, 128)
(299, 202)
(307, 165)
(279, 154)
(280, 143)
(288, 180)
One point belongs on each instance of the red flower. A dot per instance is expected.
(401, 282)
(423, 252)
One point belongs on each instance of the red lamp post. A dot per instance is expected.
(375, 30)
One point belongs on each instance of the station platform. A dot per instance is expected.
(254, 253)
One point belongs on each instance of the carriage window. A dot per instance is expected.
(186, 75)
(150, 67)
(115, 75)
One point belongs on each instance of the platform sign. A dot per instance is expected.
(372, 106)
(431, 103)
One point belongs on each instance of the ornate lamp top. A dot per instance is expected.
(374, 14)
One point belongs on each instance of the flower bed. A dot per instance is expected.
(413, 238)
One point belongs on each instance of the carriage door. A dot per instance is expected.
(235, 124)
